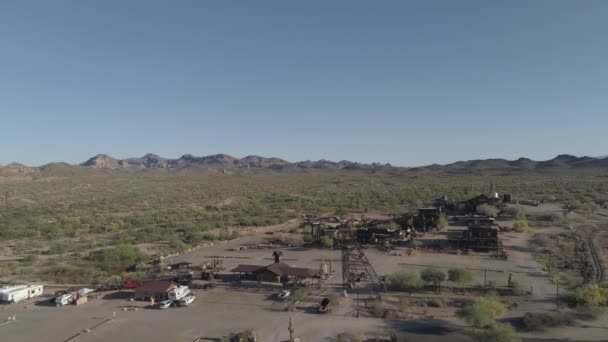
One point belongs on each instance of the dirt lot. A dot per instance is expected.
(227, 309)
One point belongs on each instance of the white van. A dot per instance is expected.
(186, 300)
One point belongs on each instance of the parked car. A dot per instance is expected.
(284, 294)
(186, 301)
(164, 304)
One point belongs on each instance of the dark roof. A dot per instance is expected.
(278, 268)
(282, 269)
(156, 286)
(247, 268)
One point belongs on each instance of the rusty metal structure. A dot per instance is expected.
(355, 265)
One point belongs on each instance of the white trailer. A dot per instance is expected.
(178, 293)
(65, 299)
(15, 294)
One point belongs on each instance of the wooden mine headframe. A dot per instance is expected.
(355, 265)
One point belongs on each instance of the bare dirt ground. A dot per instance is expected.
(228, 308)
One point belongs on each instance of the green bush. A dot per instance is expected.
(521, 226)
(460, 276)
(590, 296)
(483, 312)
(433, 276)
(405, 281)
(517, 288)
(62, 247)
(118, 258)
(327, 242)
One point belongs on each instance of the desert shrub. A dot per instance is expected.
(540, 321)
(433, 276)
(590, 296)
(117, 258)
(516, 211)
(62, 247)
(62, 273)
(405, 281)
(587, 313)
(487, 210)
(516, 288)
(327, 242)
(177, 245)
(341, 211)
(443, 222)
(460, 276)
(378, 309)
(521, 226)
(498, 333)
(435, 303)
(30, 259)
(483, 312)
(542, 241)
(416, 244)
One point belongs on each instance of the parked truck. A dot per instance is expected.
(17, 293)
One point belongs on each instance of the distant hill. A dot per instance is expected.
(219, 161)
(224, 162)
(563, 161)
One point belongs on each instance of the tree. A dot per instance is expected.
(405, 281)
(433, 276)
(483, 312)
(498, 333)
(487, 210)
(460, 275)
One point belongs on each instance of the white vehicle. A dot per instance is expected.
(164, 304)
(186, 300)
(178, 293)
(15, 294)
(283, 294)
(65, 299)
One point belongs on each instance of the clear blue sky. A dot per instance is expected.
(405, 82)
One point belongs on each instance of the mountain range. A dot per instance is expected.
(225, 162)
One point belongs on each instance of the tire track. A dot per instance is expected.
(597, 262)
